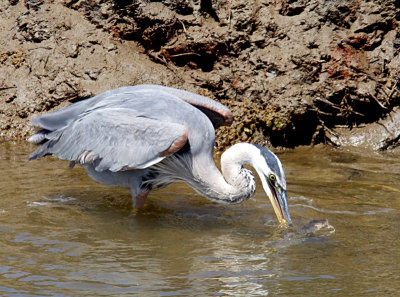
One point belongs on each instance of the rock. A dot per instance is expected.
(382, 135)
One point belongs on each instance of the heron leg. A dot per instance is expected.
(140, 199)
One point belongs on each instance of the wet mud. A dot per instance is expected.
(293, 72)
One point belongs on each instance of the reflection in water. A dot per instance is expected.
(63, 234)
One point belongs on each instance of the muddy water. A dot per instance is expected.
(62, 234)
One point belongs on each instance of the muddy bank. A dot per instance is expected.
(293, 72)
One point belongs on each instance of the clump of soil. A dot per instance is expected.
(294, 72)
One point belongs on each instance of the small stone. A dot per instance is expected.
(10, 99)
(92, 74)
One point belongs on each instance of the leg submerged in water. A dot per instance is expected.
(139, 199)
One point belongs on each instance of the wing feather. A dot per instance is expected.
(114, 139)
(219, 114)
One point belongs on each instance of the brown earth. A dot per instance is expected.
(294, 72)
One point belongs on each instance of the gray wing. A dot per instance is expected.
(62, 117)
(215, 111)
(114, 139)
(218, 113)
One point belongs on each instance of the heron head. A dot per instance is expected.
(273, 179)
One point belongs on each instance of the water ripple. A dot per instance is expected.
(347, 212)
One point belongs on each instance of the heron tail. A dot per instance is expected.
(46, 139)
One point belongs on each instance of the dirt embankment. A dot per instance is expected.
(292, 71)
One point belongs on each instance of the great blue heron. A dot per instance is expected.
(145, 137)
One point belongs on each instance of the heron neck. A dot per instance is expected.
(235, 184)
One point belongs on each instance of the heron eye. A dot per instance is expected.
(272, 177)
